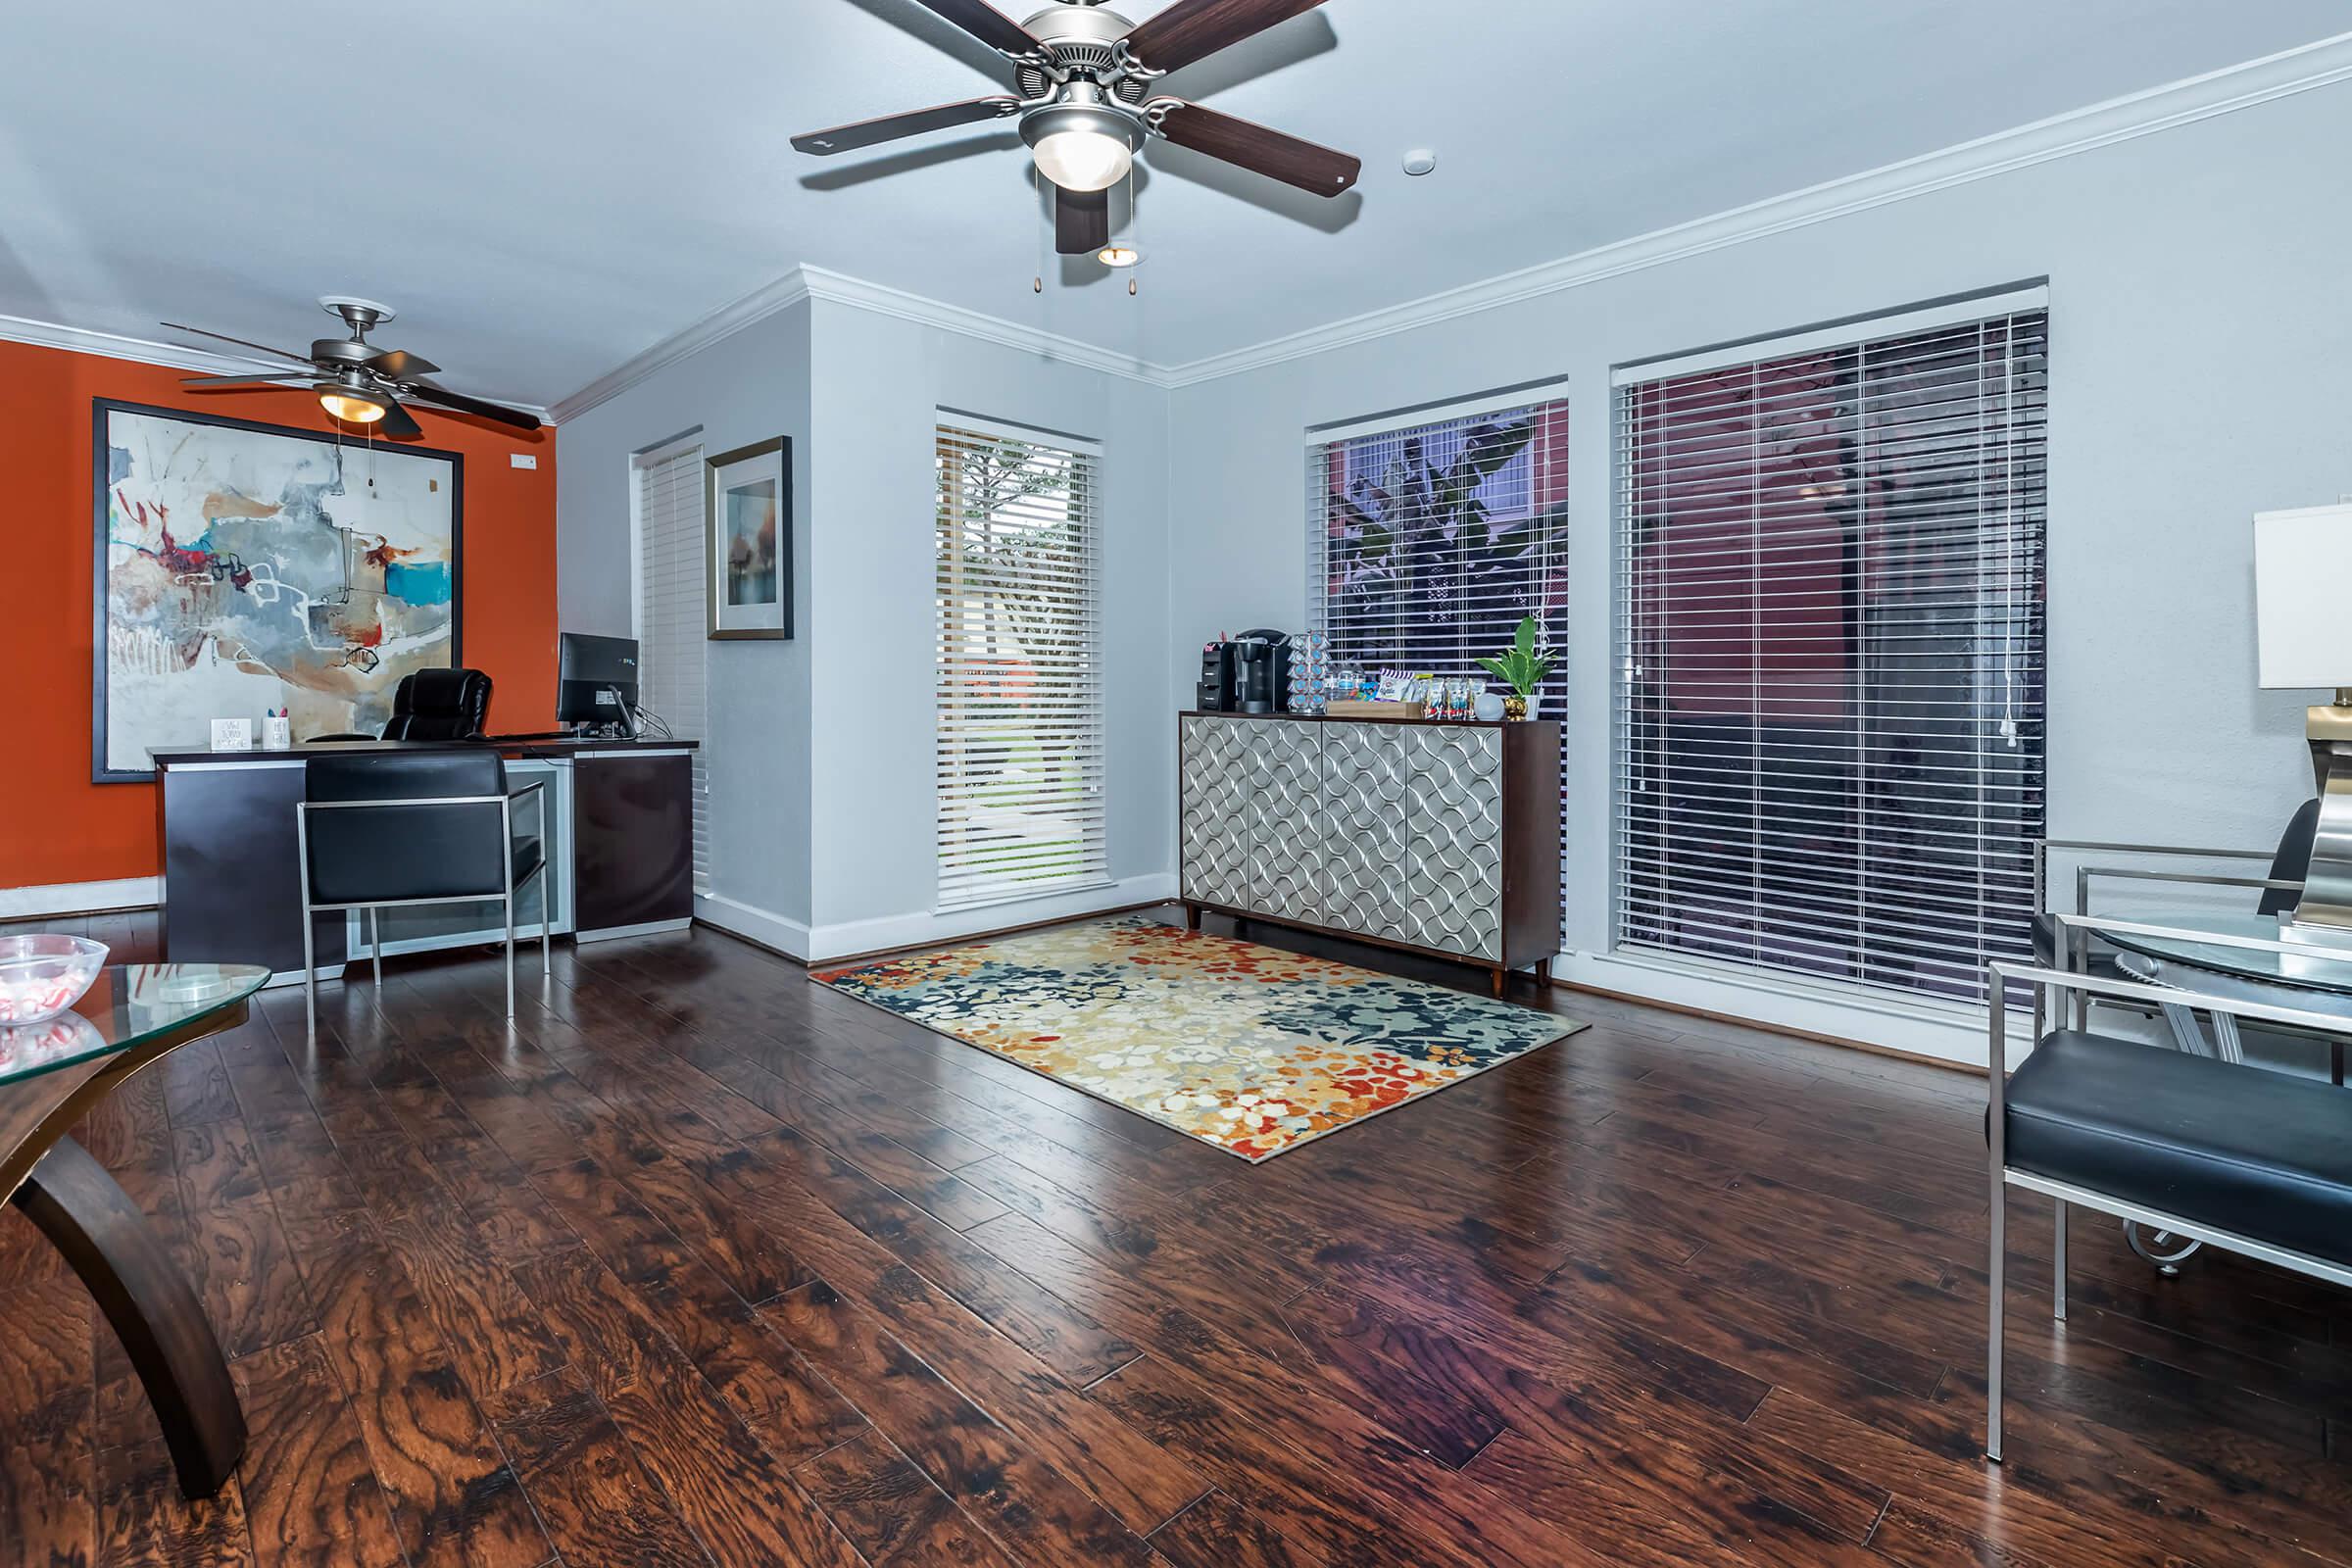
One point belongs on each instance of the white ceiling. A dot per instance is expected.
(547, 187)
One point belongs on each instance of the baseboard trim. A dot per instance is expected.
(762, 928)
(855, 940)
(879, 954)
(58, 898)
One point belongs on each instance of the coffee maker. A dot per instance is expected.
(1261, 671)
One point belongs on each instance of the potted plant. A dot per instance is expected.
(1520, 667)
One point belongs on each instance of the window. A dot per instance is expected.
(671, 613)
(1428, 543)
(1020, 668)
(1831, 621)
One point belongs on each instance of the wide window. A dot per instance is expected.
(1831, 606)
(1429, 542)
(671, 681)
(1020, 667)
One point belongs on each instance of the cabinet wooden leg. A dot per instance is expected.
(72, 1201)
(1496, 976)
(1543, 974)
(1192, 917)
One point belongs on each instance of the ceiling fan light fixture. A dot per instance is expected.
(351, 405)
(1118, 255)
(1080, 146)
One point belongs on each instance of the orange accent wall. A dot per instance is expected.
(55, 825)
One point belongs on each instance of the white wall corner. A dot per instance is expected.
(763, 926)
(81, 897)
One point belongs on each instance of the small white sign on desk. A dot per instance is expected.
(232, 734)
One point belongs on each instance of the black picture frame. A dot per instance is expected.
(103, 408)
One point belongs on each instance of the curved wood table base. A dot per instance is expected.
(89, 1217)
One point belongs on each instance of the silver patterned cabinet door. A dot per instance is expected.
(1214, 782)
(1366, 804)
(1281, 818)
(1453, 843)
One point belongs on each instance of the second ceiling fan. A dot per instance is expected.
(1086, 103)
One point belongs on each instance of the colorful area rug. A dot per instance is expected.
(1249, 1049)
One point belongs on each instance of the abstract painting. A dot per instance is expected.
(750, 545)
(242, 568)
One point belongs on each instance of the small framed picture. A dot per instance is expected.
(749, 549)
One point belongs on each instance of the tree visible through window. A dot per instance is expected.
(1431, 542)
(1019, 669)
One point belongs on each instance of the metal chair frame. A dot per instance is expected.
(2078, 956)
(536, 789)
(2004, 1176)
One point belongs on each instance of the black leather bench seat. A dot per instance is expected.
(2242, 1149)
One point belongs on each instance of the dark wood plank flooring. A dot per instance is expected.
(699, 1262)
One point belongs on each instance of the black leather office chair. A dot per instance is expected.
(387, 829)
(434, 704)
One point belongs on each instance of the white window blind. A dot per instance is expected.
(1428, 543)
(1831, 619)
(1021, 670)
(673, 613)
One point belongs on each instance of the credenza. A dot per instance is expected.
(1441, 838)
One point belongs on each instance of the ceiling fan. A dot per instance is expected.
(1086, 103)
(358, 382)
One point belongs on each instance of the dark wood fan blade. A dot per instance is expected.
(459, 403)
(267, 378)
(399, 364)
(1267, 152)
(872, 133)
(1190, 29)
(987, 24)
(283, 354)
(398, 422)
(1081, 221)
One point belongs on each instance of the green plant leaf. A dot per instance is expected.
(1525, 643)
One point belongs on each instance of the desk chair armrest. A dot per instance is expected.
(536, 789)
(2001, 972)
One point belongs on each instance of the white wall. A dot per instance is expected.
(881, 382)
(2201, 370)
(747, 388)
(822, 797)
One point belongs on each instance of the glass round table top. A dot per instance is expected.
(126, 1006)
(2308, 970)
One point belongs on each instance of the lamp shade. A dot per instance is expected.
(2303, 596)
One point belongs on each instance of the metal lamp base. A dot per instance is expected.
(2325, 910)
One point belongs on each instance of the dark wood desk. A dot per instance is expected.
(621, 840)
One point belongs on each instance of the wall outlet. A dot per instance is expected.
(522, 459)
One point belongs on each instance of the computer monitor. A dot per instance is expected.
(596, 680)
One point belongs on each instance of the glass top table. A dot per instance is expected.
(127, 1006)
(51, 1075)
(2302, 971)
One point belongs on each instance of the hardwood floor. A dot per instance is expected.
(699, 1262)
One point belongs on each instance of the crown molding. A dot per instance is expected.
(2186, 102)
(139, 350)
(2181, 102)
(171, 355)
(810, 283)
(715, 327)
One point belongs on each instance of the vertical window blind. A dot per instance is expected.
(1428, 543)
(672, 683)
(1830, 622)
(1020, 742)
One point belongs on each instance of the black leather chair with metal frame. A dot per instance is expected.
(433, 705)
(2228, 1155)
(394, 829)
